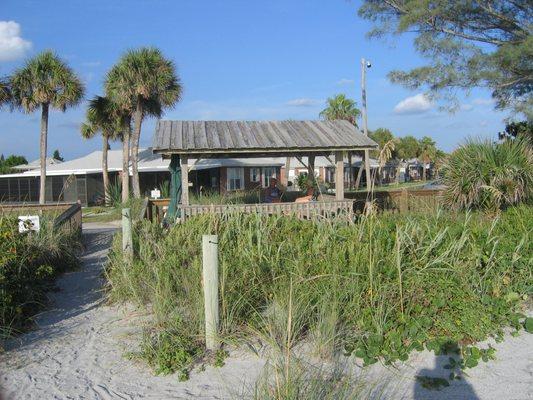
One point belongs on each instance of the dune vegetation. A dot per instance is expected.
(29, 264)
(378, 288)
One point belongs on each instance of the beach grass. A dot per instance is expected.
(378, 288)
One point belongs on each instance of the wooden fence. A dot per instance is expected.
(310, 210)
(69, 217)
(399, 200)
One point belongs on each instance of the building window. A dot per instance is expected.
(268, 172)
(235, 178)
(255, 174)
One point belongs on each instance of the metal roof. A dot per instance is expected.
(250, 138)
(148, 162)
(36, 164)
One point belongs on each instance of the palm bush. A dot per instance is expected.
(115, 193)
(487, 175)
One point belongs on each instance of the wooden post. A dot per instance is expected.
(127, 240)
(210, 278)
(367, 170)
(287, 170)
(339, 176)
(184, 181)
(311, 168)
(404, 202)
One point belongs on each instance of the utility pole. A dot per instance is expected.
(364, 65)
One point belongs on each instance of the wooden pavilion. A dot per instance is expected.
(187, 140)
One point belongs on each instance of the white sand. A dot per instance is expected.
(77, 353)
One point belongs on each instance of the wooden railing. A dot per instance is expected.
(69, 213)
(402, 201)
(70, 219)
(311, 210)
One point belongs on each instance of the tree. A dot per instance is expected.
(104, 117)
(341, 107)
(144, 83)
(467, 43)
(382, 136)
(428, 153)
(7, 164)
(57, 156)
(515, 130)
(408, 147)
(45, 81)
(5, 92)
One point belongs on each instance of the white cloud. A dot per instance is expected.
(483, 102)
(12, 46)
(466, 107)
(417, 104)
(345, 82)
(303, 102)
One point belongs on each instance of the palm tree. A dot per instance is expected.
(103, 117)
(341, 107)
(45, 81)
(144, 83)
(428, 152)
(5, 93)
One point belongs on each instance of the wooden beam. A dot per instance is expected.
(301, 161)
(193, 164)
(184, 180)
(339, 176)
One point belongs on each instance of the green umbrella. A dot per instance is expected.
(175, 188)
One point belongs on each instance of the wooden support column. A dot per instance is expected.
(311, 167)
(184, 180)
(287, 169)
(369, 183)
(339, 175)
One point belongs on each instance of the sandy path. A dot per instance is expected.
(77, 353)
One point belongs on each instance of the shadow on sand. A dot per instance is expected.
(444, 381)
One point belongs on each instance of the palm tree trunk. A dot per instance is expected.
(135, 150)
(105, 173)
(43, 145)
(126, 165)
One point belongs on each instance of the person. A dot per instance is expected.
(273, 192)
(308, 197)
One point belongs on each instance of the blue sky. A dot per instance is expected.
(237, 59)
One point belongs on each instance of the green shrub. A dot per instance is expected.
(483, 174)
(29, 263)
(380, 287)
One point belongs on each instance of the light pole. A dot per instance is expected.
(364, 65)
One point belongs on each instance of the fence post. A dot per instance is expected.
(404, 202)
(127, 241)
(210, 278)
